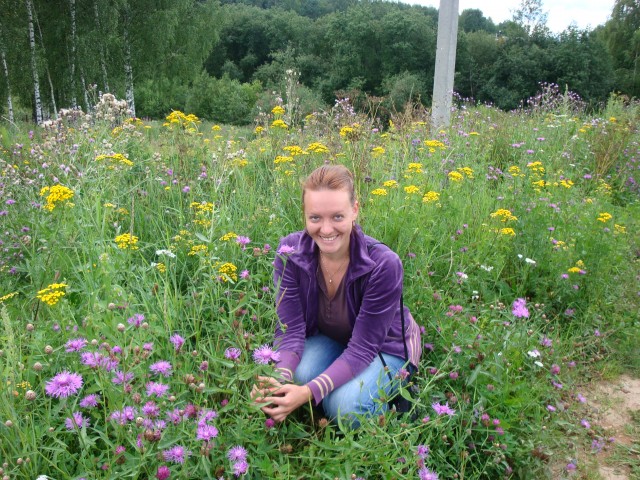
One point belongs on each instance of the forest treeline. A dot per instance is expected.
(221, 59)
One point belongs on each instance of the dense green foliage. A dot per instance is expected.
(121, 240)
(184, 54)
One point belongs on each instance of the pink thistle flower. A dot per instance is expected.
(237, 453)
(75, 345)
(64, 384)
(240, 468)
(264, 354)
(163, 472)
(76, 422)
(122, 378)
(156, 388)
(176, 454)
(285, 250)
(162, 367)
(177, 341)
(232, 353)
(90, 401)
(519, 308)
(425, 474)
(443, 409)
(206, 432)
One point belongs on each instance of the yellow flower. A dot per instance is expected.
(258, 129)
(126, 241)
(467, 171)
(411, 189)
(188, 122)
(430, 196)
(279, 124)
(619, 228)
(613, 119)
(390, 184)
(535, 167)
(566, 183)
(574, 270)
(455, 176)
(435, 144)
(514, 171)
(346, 131)
(115, 158)
(504, 215)
(604, 217)
(228, 236)
(474, 133)
(8, 296)
(508, 231)
(277, 110)
(414, 167)
(379, 192)
(377, 151)
(52, 294)
(317, 147)
(295, 150)
(56, 194)
(539, 183)
(198, 249)
(216, 128)
(227, 271)
(161, 267)
(281, 159)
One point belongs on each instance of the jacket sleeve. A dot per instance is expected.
(291, 328)
(380, 302)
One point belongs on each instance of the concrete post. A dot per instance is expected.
(445, 64)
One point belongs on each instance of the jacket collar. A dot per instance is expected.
(306, 254)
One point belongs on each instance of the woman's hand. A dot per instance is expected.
(280, 399)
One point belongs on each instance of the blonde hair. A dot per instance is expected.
(330, 177)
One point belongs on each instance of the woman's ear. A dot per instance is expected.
(356, 209)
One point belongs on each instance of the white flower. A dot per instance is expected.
(168, 253)
(485, 267)
(528, 260)
(539, 364)
(533, 353)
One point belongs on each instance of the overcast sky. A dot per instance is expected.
(560, 13)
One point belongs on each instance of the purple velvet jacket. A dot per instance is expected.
(373, 289)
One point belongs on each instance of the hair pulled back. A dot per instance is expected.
(330, 177)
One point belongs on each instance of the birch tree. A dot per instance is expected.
(37, 100)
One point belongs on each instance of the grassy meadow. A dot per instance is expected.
(136, 285)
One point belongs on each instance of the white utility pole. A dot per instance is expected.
(445, 64)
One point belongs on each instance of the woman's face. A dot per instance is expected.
(329, 218)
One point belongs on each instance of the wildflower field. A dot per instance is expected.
(137, 304)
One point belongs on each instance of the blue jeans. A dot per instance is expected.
(360, 395)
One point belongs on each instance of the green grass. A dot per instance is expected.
(466, 261)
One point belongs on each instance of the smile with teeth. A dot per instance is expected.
(329, 239)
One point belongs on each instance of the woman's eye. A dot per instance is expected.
(338, 217)
(313, 219)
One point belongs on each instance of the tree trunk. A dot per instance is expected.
(74, 43)
(128, 67)
(53, 96)
(34, 67)
(103, 60)
(6, 74)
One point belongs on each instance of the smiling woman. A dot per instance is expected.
(344, 338)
